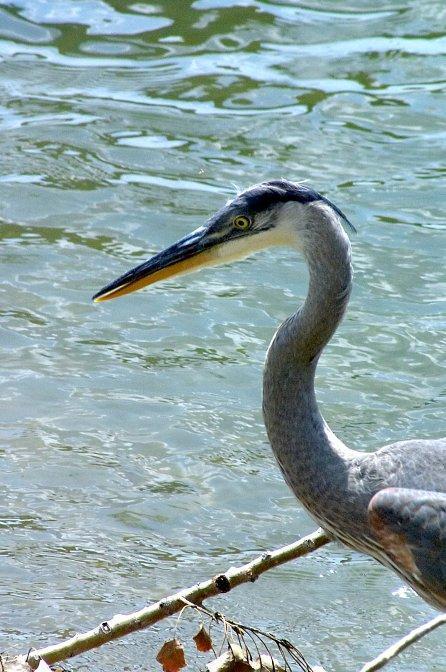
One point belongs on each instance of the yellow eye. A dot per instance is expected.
(242, 222)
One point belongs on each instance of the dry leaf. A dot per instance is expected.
(236, 660)
(233, 660)
(227, 663)
(241, 666)
(202, 639)
(171, 656)
(267, 664)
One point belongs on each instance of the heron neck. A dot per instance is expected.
(311, 457)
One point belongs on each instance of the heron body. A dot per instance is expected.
(390, 504)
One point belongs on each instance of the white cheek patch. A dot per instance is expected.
(239, 248)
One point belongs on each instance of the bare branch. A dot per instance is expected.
(123, 624)
(403, 643)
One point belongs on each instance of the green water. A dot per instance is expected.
(134, 459)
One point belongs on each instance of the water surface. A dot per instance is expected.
(134, 459)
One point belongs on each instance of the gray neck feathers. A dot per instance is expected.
(309, 454)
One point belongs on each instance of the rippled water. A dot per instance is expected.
(133, 455)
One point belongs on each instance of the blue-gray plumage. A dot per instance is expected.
(390, 504)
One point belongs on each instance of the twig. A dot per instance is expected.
(123, 624)
(403, 643)
(231, 627)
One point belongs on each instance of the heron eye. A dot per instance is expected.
(242, 222)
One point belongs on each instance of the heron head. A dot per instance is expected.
(277, 212)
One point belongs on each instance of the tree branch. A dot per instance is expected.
(123, 624)
(403, 643)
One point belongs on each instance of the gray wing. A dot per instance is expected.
(411, 526)
(416, 464)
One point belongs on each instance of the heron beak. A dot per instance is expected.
(193, 251)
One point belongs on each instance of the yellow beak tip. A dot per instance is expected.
(104, 297)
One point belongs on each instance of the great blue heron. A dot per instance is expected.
(390, 504)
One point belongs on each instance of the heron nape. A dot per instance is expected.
(391, 503)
